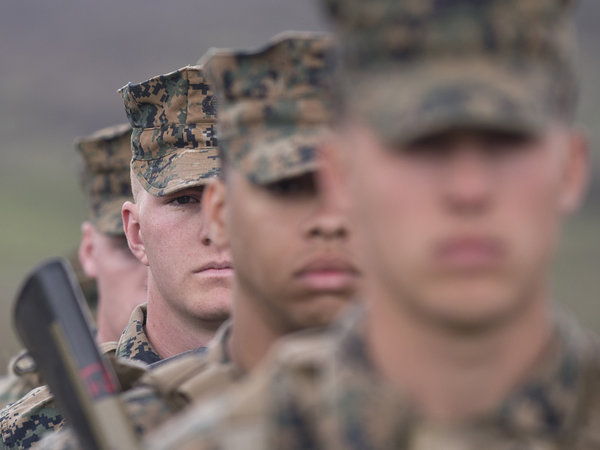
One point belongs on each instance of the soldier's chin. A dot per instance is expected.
(468, 315)
(317, 312)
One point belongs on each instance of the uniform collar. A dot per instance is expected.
(134, 342)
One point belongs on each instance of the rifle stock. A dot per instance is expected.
(52, 320)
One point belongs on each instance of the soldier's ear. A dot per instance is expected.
(133, 232)
(213, 202)
(86, 250)
(576, 171)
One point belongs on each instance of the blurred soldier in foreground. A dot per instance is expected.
(103, 252)
(461, 160)
(294, 267)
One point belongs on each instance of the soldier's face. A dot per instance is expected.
(120, 278)
(460, 227)
(169, 234)
(294, 267)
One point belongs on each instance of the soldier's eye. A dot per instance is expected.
(187, 196)
(184, 200)
(303, 185)
(434, 146)
(501, 144)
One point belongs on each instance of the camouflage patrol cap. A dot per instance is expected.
(415, 67)
(275, 104)
(105, 180)
(173, 141)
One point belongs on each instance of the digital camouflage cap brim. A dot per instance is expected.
(173, 141)
(414, 67)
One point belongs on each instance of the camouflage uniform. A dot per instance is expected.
(105, 180)
(413, 69)
(275, 109)
(323, 392)
(169, 388)
(23, 422)
(134, 343)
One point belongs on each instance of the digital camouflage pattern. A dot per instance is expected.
(105, 178)
(24, 422)
(323, 392)
(275, 104)
(173, 142)
(134, 343)
(165, 391)
(418, 67)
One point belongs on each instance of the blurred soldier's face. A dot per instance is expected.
(170, 236)
(290, 250)
(459, 227)
(120, 278)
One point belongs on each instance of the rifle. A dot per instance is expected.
(53, 321)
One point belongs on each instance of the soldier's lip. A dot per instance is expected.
(328, 274)
(469, 251)
(217, 268)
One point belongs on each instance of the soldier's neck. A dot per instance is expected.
(172, 331)
(251, 336)
(453, 376)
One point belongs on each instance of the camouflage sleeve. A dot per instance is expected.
(13, 387)
(144, 406)
(24, 422)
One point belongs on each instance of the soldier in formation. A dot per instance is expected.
(294, 262)
(458, 155)
(458, 159)
(104, 257)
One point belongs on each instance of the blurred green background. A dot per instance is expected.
(61, 63)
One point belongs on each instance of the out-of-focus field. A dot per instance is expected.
(61, 63)
(40, 218)
(577, 270)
